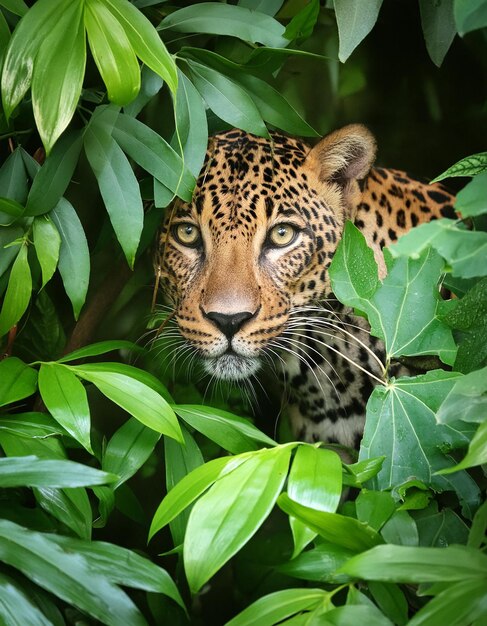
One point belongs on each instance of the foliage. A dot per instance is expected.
(398, 536)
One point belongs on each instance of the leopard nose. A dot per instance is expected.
(229, 324)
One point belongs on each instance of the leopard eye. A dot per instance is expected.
(186, 234)
(282, 235)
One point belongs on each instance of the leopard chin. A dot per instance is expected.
(231, 366)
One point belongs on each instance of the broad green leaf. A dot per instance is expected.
(16, 608)
(154, 154)
(59, 68)
(112, 52)
(162, 195)
(355, 20)
(189, 488)
(270, 7)
(357, 473)
(374, 507)
(145, 41)
(128, 449)
(17, 380)
(27, 39)
(122, 566)
(471, 200)
(150, 85)
(10, 211)
(135, 397)
(400, 529)
(439, 528)
(302, 24)
(464, 250)
(401, 418)
(275, 607)
(470, 318)
(231, 432)
(318, 564)
(439, 27)
(468, 166)
(119, 188)
(47, 243)
(30, 471)
(17, 7)
(67, 574)
(403, 309)
(467, 399)
(477, 452)
(470, 15)
(31, 425)
(225, 19)
(192, 127)
(391, 600)
(74, 257)
(231, 512)
(351, 615)
(18, 292)
(70, 506)
(478, 530)
(227, 99)
(415, 565)
(13, 178)
(53, 178)
(66, 400)
(337, 529)
(101, 347)
(273, 107)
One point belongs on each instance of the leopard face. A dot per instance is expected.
(257, 239)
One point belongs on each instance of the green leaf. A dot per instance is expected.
(101, 347)
(150, 85)
(401, 418)
(439, 27)
(192, 127)
(30, 471)
(31, 425)
(135, 397)
(27, 39)
(357, 473)
(471, 200)
(17, 7)
(17, 380)
(112, 52)
(128, 449)
(403, 309)
(470, 318)
(477, 533)
(53, 178)
(119, 189)
(355, 20)
(374, 507)
(467, 399)
(477, 452)
(391, 600)
(302, 24)
(468, 166)
(59, 69)
(13, 178)
(232, 433)
(70, 506)
(189, 488)
(18, 292)
(154, 154)
(270, 7)
(65, 399)
(318, 564)
(67, 574)
(145, 41)
(337, 529)
(350, 615)
(16, 608)
(8, 235)
(231, 512)
(277, 606)
(74, 257)
(47, 242)
(400, 529)
(228, 20)
(470, 15)
(10, 211)
(464, 250)
(415, 565)
(227, 99)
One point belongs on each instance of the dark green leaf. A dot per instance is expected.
(74, 258)
(477, 452)
(65, 398)
(401, 529)
(374, 507)
(18, 292)
(471, 200)
(231, 512)
(302, 24)
(355, 20)
(440, 528)
(16, 608)
(391, 600)
(467, 399)
(53, 178)
(119, 188)
(31, 425)
(318, 564)
(67, 574)
(17, 381)
(13, 178)
(225, 19)
(351, 615)
(469, 166)
(70, 506)
(439, 27)
(10, 211)
(470, 15)
(31, 471)
(95, 349)
(47, 242)
(477, 533)
(150, 85)
(17, 7)
(357, 473)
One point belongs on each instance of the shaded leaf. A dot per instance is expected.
(471, 200)
(439, 27)
(70, 506)
(18, 292)
(467, 399)
(470, 15)
(16, 608)
(476, 454)
(355, 20)
(391, 600)
(150, 85)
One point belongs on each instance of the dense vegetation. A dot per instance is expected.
(97, 420)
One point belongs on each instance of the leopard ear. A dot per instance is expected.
(344, 155)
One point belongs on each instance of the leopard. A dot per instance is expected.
(245, 267)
